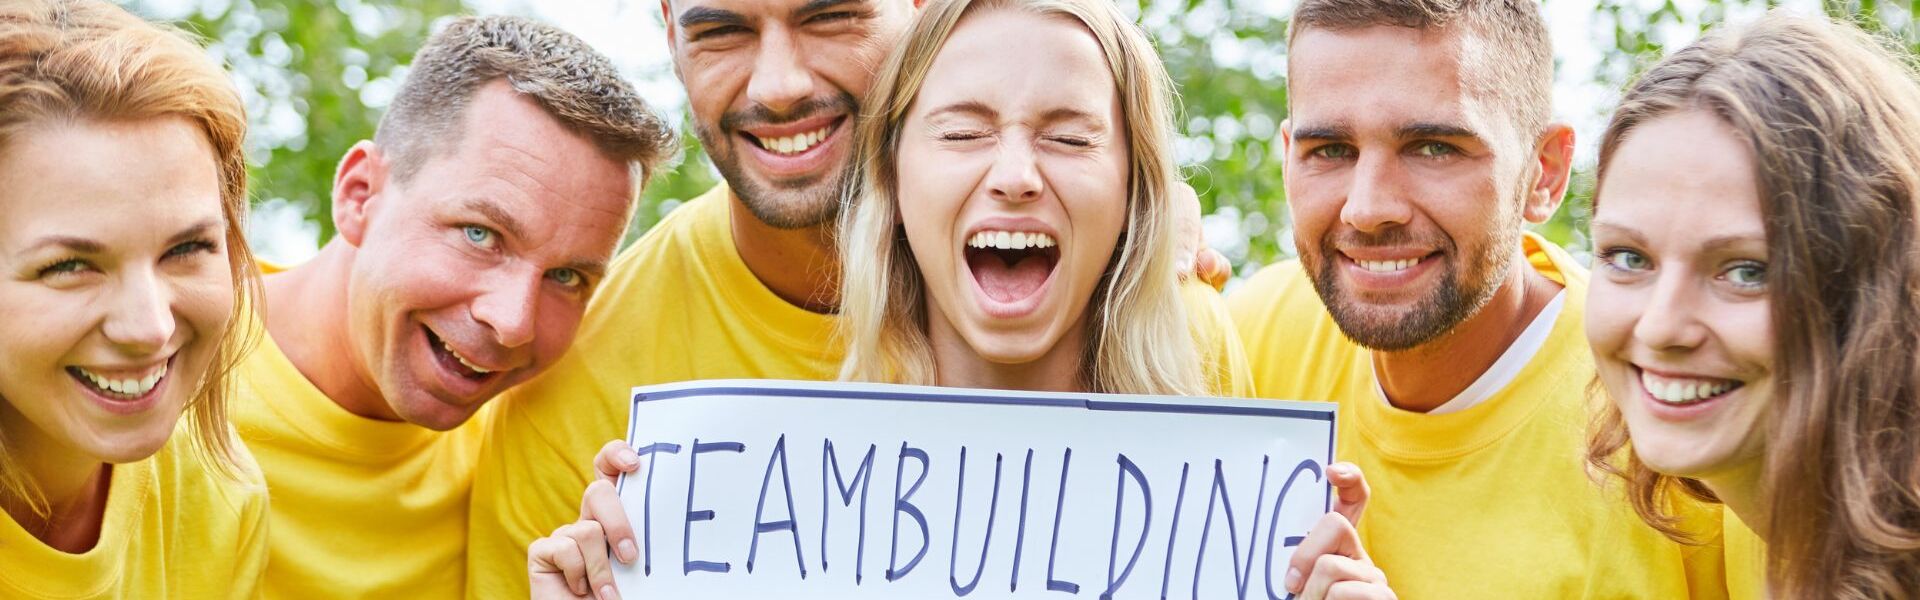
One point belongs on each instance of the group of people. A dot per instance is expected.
(1728, 408)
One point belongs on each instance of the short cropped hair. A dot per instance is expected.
(574, 83)
(1513, 63)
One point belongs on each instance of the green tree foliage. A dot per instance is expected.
(317, 75)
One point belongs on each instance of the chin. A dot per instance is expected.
(132, 446)
(1012, 348)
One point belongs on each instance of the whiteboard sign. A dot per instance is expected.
(781, 489)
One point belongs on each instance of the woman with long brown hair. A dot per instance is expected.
(1755, 310)
(123, 277)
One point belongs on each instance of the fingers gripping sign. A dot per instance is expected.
(1331, 562)
(574, 561)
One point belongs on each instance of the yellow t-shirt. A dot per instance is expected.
(1493, 501)
(679, 305)
(1746, 561)
(361, 508)
(172, 529)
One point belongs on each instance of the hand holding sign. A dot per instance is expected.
(572, 562)
(1331, 563)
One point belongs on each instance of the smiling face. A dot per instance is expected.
(115, 287)
(1408, 189)
(772, 85)
(1678, 313)
(471, 275)
(1014, 182)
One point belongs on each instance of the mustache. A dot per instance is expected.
(759, 115)
(1396, 236)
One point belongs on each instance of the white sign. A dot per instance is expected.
(782, 489)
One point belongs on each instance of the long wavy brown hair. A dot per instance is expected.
(1832, 116)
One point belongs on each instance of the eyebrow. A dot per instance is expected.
(814, 6)
(1069, 114)
(706, 15)
(498, 216)
(1624, 231)
(968, 107)
(76, 244)
(1725, 241)
(1435, 130)
(202, 229)
(1323, 133)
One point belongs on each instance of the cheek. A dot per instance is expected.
(1611, 312)
(1747, 330)
(559, 322)
(205, 302)
(931, 196)
(41, 327)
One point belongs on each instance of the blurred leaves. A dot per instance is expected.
(318, 73)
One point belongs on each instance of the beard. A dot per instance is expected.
(790, 203)
(1468, 279)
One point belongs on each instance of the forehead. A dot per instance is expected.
(149, 175)
(1061, 65)
(1380, 76)
(514, 155)
(1687, 163)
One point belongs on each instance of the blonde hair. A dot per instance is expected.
(64, 61)
(1138, 339)
(1832, 118)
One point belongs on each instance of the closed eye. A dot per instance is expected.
(190, 248)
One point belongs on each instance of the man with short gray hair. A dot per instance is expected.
(1418, 147)
(474, 228)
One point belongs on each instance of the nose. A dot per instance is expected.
(1014, 176)
(1670, 319)
(1376, 196)
(509, 308)
(139, 317)
(780, 77)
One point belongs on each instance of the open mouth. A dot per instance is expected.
(1683, 391)
(452, 361)
(1011, 266)
(795, 144)
(122, 387)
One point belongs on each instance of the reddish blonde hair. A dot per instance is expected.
(64, 61)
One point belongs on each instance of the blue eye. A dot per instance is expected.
(479, 236)
(567, 277)
(65, 267)
(1621, 259)
(1748, 275)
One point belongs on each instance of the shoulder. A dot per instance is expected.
(1278, 296)
(203, 493)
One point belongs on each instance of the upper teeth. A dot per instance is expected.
(795, 144)
(126, 387)
(1387, 266)
(1678, 390)
(1010, 240)
(462, 359)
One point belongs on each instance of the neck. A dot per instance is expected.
(1423, 378)
(1739, 488)
(72, 485)
(801, 266)
(956, 364)
(307, 317)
